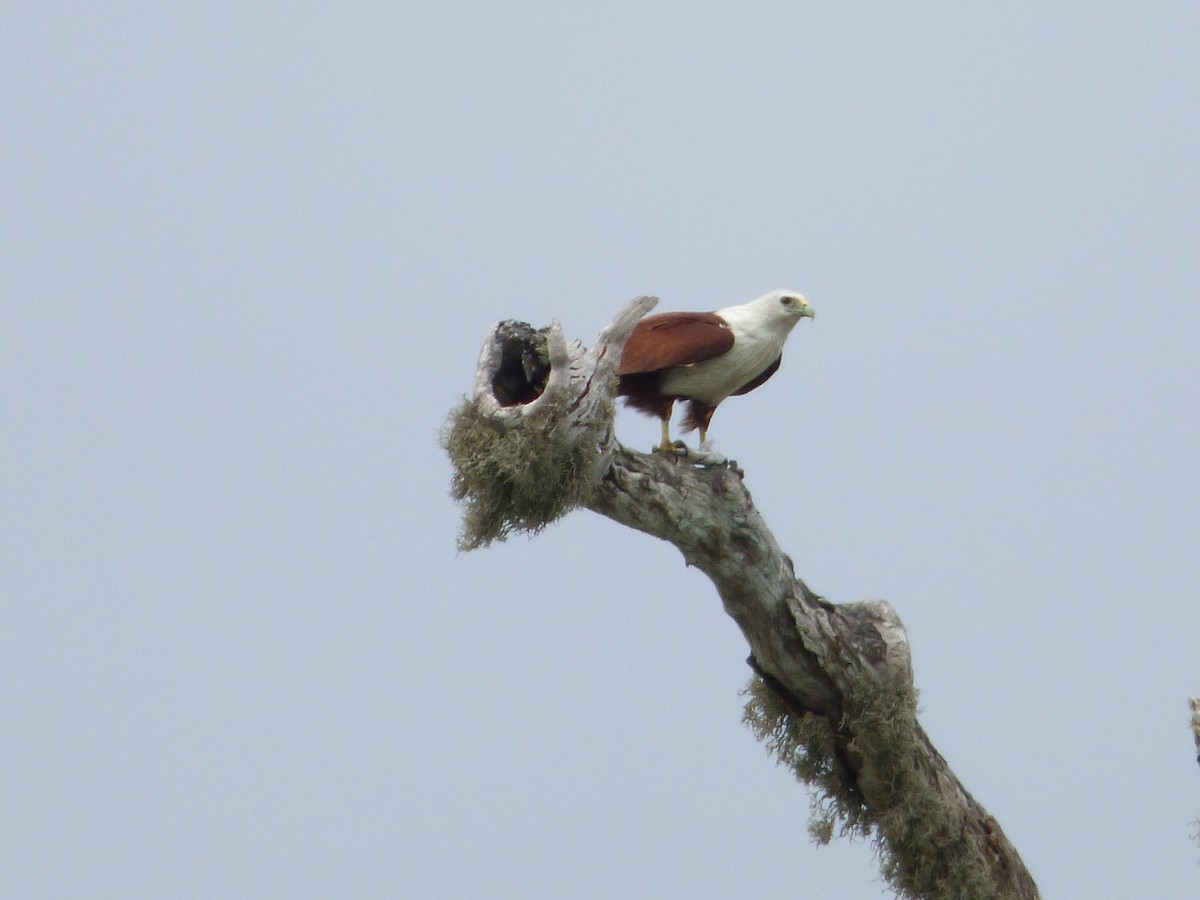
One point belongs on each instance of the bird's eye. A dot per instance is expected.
(787, 301)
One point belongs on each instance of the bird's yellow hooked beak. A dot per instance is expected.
(806, 310)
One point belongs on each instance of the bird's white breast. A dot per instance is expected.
(757, 342)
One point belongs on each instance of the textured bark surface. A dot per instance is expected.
(1194, 702)
(845, 667)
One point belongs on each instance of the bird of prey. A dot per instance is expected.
(705, 357)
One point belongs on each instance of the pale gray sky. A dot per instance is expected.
(251, 252)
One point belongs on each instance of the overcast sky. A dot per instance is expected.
(250, 253)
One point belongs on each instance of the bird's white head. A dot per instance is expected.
(776, 311)
(783, 305)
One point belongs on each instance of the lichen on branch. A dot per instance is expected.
(513, 479)
(864, 779)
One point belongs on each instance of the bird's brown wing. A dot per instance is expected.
(675, 339)
(760, 377)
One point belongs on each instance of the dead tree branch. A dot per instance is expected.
(832, 694)
(1194, 702)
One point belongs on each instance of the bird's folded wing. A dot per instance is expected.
(675, 339)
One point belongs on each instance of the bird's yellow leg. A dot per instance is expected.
(666, 446)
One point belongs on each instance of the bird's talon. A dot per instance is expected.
(674, 448)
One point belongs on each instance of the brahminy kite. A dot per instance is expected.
(705, 357)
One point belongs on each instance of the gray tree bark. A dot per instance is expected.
(832, 693)
(1194, 702)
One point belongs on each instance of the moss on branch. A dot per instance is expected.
(863, 777)
(514, 479)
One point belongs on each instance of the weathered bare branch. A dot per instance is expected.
(833, 691)
(1194, 702)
